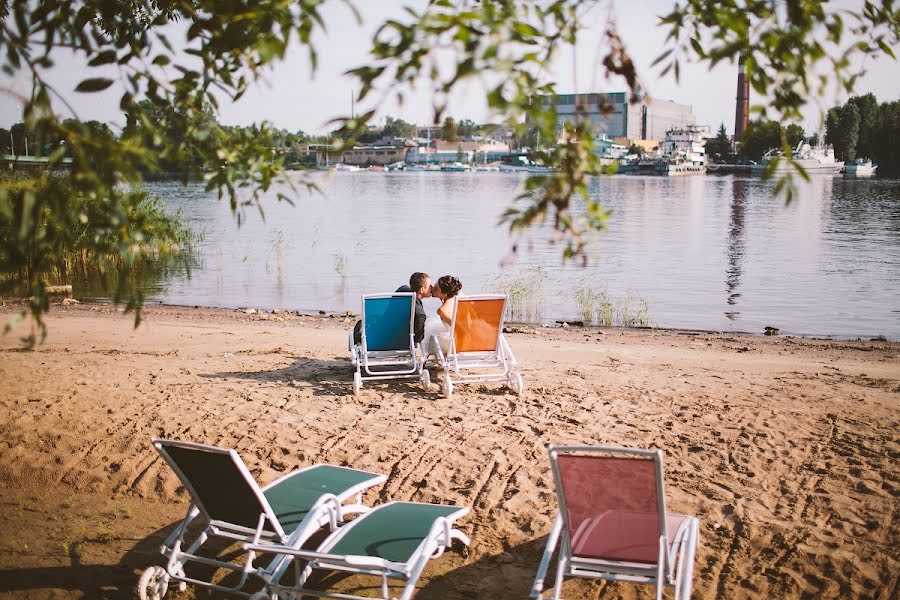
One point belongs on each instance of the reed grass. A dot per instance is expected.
(634, 311)
(525, 292)
(597, 307)
(276, 252)
(340, 265)
(70, 252)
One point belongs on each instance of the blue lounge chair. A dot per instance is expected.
(387, 348)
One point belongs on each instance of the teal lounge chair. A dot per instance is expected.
(231, 506)
(392, 541)
(387, 348)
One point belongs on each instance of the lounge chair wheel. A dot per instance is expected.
(516, 383)
(153, 584)
(448, 388)
(357, 383)
(426, 379)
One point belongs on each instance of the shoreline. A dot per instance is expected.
(573, 324)
(785, 448)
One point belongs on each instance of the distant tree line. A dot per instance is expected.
(183, 154)
(451, 130)
(862, 128)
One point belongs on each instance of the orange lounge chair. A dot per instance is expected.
(477, 350)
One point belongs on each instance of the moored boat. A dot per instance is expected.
(345, 167)
(683, 151)
(815, 160)
(860, 168)
(456, 166)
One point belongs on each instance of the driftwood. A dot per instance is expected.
(58, 289)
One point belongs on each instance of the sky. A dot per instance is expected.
(291, 97)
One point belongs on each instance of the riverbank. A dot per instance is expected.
(785, 448)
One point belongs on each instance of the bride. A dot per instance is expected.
(446, 289)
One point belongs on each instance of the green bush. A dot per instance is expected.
(49, 236)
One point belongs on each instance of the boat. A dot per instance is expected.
(815, 160)
(860, 168)
(342, 167)
(683, 151)
(679, 166)
(523, 164)
(643, 165)
(422, 167)
(525, 169)
(456, 166)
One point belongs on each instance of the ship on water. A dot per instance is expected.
(815, 160)
(860, 168)
(683, 151)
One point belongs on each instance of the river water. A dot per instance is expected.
(699, 252)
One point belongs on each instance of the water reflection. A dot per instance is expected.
(735, 251)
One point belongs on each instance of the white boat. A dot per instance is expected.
(683, 151)
(525, 169)
(524, 165)
(422, 167)
(344, 167)
(815, 160)
(679, 167)
(860, 168)
(456, 166)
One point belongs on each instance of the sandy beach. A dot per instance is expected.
(786, 449)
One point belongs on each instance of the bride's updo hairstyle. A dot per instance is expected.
(450, 285)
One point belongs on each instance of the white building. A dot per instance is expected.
(615, 115)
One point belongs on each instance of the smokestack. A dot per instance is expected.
(742, 106)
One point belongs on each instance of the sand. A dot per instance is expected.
(786, 449)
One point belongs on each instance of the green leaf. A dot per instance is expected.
(104, 58)
(95, 84)
(885, 48)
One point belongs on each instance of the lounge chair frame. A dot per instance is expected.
(482, 366)
(380, 365)
(439, 538)
(329, 509)
(675, 561)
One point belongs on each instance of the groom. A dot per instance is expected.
(420, 283)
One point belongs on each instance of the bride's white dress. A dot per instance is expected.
(435, 327)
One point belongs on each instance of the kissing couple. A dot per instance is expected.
(427, 328)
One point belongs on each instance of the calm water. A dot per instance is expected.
(704, 252)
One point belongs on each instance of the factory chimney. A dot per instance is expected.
(742, 108)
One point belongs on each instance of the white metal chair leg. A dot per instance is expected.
(537, 588)
(689, 557)
(661, 568)
(560, 571)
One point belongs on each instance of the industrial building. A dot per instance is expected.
(612, 114)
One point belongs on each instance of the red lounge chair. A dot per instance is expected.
(612, 522)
